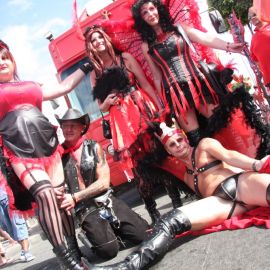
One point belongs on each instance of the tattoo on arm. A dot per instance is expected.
(94, 189)
(103, 158)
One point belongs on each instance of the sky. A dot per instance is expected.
(24, 24)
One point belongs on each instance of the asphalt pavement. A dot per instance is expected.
(246, 249)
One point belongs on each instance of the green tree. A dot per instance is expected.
(225, 8)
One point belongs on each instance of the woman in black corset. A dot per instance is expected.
(174, 71)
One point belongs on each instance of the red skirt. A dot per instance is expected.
(128, 121)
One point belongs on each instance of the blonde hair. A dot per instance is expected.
(92, 52)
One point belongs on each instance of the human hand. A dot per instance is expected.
(67, 203)
(236, 47)
(59, 193)
(112, 99)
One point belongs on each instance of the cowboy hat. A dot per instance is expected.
(75, 115)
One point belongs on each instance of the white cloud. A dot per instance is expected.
(94, 6)
(21, 4)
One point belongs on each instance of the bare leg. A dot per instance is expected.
(7, 237)
(194, 216)
(191, 126)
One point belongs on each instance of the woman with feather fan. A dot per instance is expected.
(117, 79)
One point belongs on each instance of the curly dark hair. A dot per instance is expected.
(146, 31)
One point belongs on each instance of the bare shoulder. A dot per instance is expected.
(127, 55)
(208, 142)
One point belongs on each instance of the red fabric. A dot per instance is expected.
(263, 9)
(258, 217)
(17, 94)
(129, 118)
(266, 166)
(260, 50)
(75, 147)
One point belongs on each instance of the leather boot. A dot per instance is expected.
(151, 207)
(171, 224)
(65, 259)
(194, 136)
(73, 248)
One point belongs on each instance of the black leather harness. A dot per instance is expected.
(196, 171)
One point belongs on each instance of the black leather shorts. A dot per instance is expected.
(227, 191)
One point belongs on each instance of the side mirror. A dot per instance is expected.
(217, 21)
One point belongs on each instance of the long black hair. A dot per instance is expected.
(146, 31)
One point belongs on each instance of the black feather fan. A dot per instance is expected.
(113, 80)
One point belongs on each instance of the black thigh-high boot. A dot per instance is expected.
(50, 221)
(171, 224)
(194, 136)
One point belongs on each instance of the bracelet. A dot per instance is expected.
(254, 166)
(86, 67)
(228, 47)
(73, 197)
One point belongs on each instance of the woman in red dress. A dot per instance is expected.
(30, 153)
(122, 89)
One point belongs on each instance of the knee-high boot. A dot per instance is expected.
(155, 247)
(194, 136)
(65, 259)
(73, 248)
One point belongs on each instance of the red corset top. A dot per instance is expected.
(15, 95)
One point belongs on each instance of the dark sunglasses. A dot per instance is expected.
(89, 28)
(252, 16)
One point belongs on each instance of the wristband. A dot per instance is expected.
(73, 197)
(254, 166)
(86, 67)
(228, 47)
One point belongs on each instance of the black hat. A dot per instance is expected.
(75, 115)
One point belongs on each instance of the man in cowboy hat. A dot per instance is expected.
(87, 175)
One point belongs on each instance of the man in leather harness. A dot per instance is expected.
(229, 182)
(102, 217)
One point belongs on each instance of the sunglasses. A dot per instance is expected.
(89, 28)
(252, 16)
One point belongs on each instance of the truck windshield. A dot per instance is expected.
(81, 97)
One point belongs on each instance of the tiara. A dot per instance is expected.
(168, 132)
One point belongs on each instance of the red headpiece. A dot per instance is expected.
(168, 132)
